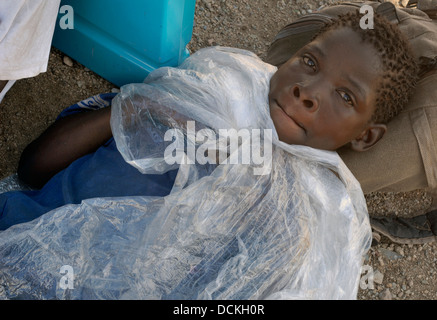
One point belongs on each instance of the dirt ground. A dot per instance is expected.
(400, 272)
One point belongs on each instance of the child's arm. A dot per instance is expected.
(62, 143)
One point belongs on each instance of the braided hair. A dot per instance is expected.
(399, 68)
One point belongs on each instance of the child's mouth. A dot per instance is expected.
(294, 120)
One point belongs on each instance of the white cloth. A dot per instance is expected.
(26, 32)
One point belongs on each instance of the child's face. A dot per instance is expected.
(324, 96)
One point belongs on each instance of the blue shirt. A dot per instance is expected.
(103, 173)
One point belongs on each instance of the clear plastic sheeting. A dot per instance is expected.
(297, 229)
(12, 183)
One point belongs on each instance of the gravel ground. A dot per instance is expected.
(400, 272)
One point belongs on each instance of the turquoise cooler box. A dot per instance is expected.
(123, 41)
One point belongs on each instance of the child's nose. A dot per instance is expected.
(308, 101)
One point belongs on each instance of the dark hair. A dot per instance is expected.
(400, 70)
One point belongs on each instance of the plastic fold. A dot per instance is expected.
(292, 226)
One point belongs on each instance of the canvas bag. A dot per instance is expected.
(406, 158)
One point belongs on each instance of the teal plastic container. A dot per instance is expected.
(124, 40)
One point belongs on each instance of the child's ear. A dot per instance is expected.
(369, 137)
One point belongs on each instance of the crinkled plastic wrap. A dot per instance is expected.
(297, 229)
(12, 183)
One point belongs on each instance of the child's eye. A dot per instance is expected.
(346, 97)
(309, 62)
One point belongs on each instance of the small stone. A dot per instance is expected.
(386, 295)
(389, 254)
(67, 61)
(399, 250)
(378, 277)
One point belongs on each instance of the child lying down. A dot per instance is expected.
(133, 224)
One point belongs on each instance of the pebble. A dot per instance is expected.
(378, 277)
(386, 295)
(68, 61)
(389, 254)
(399, 250)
